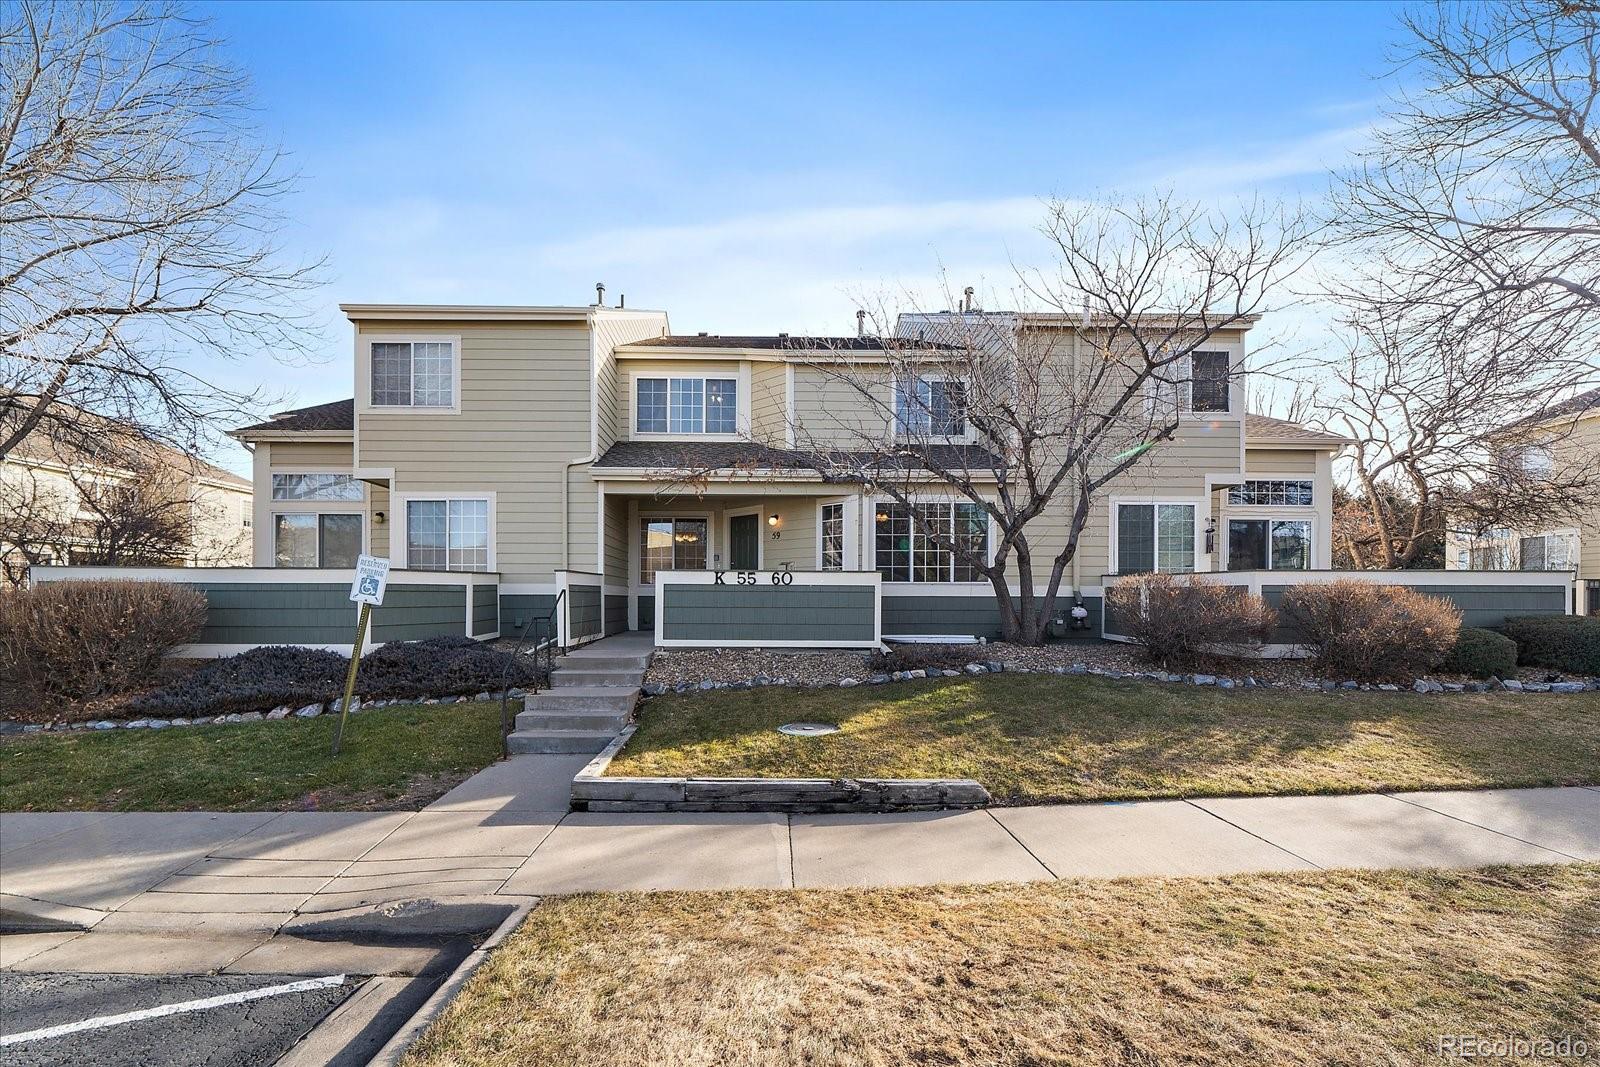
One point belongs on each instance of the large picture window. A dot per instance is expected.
(316, 540)
(416, 374)
(906, 553)
(447, 534)
(686, 405)
(316, 487)
(1269, 544)
(1290, 492)
(930, 407)
(1155, 537)
(832, 522)
(670, 545)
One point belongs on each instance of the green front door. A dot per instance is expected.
(744, 544)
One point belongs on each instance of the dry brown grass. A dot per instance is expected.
(1308, 968)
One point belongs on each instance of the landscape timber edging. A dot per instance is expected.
(593, 791)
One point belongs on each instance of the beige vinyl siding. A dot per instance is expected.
(1264, 462)
(768, 411)
(833, 413)
(616, 551)
(1585, 442)
(311, 455)
(378, 533)
(525, 408)
(612, 328)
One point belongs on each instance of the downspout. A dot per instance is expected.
(1077, 584)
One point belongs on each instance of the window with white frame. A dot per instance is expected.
(1547, 552)
(930, 407)
(316, 486)
(1274, 491)
(1269, 544)
(315, 540)
(1197, 383)
(450, 534)
(1155, 537)
(905, 551)
(671, 544)
(686, 405)
(832, 525)
(414, 374)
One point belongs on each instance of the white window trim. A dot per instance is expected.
(851, 521)
(761, 537)
(291, 472)
(1279, 516)
(967, 438)
(636, 544)
(869, 519)
(364, 343)
(398, 520)
(1156, 390)
(741, 379)
(272, 525)
(1202, 512)
(1277, 509)
(1571, 533)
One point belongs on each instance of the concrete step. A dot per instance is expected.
(568, 677)
(580, 662)
(559, 740)
(571, 720)
(583, 698)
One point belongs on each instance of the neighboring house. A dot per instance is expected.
(549, 445)
(1569, 432)
(99, 491)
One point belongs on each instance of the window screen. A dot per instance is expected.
(1209, 381)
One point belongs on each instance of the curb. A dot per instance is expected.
(395, 1049)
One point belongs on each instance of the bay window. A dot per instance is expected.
(930, 407)
(686, 405)
(1155, 537)
(447, 534)
(670, 545)
(413, 374)
(1269, 544)
(906, 553)
(313, 540)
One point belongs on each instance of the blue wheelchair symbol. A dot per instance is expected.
(369, 586)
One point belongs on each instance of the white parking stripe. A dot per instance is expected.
(104, 1021)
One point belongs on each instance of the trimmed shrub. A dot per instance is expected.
(279, 674)
(1563, 642)
(78, 640)
(1482, 653)
(1371, 632)
(1181, 621)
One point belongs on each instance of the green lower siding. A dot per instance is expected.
(485, 610)
(819, 613)
(290, 613)
(960, 616)
(413, 612)
(616, 613)
(585, 615)
(647, 612)
(517, 610)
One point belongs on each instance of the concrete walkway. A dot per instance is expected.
(505, 834)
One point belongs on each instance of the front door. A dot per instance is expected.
(744, 543)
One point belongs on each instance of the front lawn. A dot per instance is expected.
(1036, 738)
(1308, 968)
(394, 757)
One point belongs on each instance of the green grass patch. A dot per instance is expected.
(1038, 738)
(394, 757)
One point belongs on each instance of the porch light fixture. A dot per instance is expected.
(1211, 535)
(377, 517)
(772, 520)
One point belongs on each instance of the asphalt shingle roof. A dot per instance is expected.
(334, 415)
(783, 342)
(1268, 428)
(735, 455)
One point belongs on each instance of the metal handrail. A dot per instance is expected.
(547, 625)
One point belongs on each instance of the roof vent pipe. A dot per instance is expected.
(600, 294)
(861, 323)
(622, 300)
(966, 301)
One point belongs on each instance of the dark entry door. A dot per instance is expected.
(744, 545)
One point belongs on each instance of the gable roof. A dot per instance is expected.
(1573, 408)
(102, 441)
(690, 456)
(334, 416)
(1264, 429)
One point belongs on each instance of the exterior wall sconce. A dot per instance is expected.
(772, 521)
(1211, 536)
(377, 518)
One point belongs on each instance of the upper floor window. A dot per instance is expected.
(686, 405)
(1293, 491)
(906, 553)
(1209, 381)
(930, 407)
(413, 374)
(316, 487)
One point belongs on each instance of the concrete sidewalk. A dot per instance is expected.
(505, 834)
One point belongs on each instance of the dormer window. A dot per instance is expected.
(930, 407)
(686, 405)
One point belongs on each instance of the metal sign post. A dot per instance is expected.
(372, 578)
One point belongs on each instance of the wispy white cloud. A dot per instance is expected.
(1244, 166)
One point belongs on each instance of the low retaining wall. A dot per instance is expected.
(247, 607)
(592, 791)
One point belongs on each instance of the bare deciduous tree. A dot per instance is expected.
(1035, 413)
(138, 220)
(1473, 310)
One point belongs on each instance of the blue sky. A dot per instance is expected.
(759, 168)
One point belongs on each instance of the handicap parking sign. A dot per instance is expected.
(372, 576)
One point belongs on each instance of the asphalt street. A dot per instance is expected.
(235, 1033)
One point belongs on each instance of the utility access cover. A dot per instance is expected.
(808, 729)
